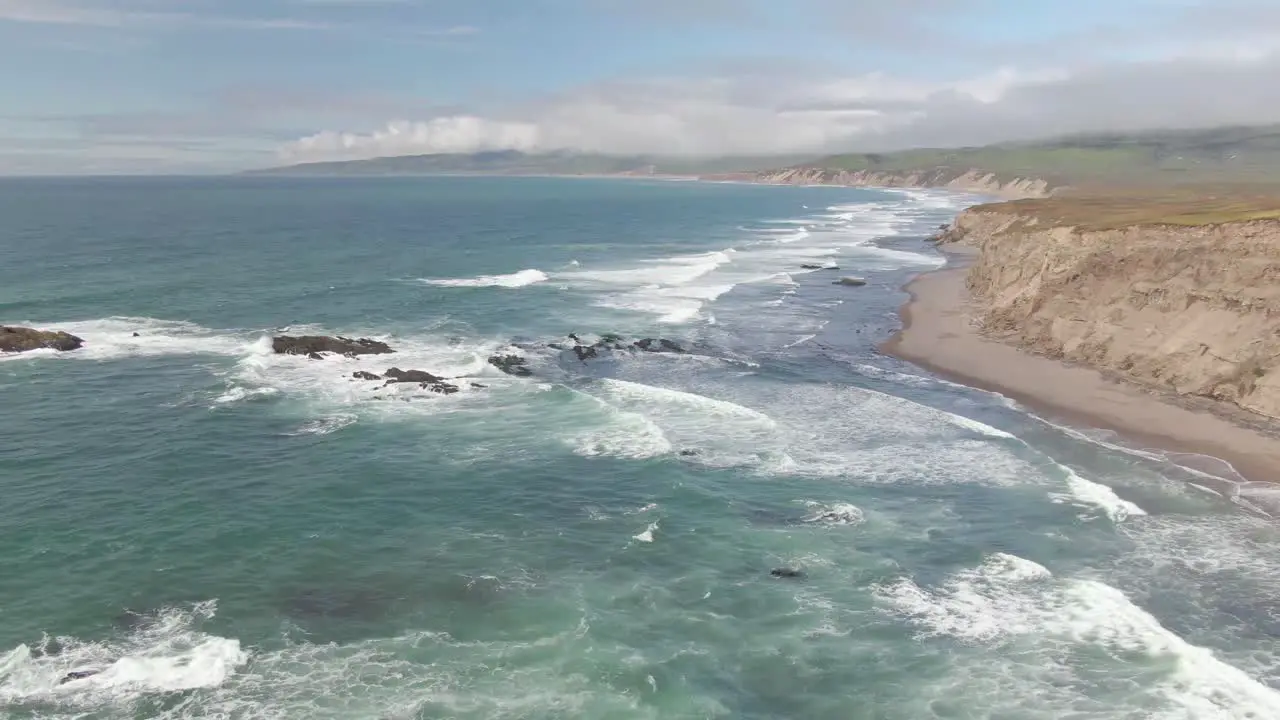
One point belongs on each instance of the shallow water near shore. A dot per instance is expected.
(224, 532)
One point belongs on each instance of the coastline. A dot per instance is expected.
(937, 335)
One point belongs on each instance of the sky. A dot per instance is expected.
(194, 86)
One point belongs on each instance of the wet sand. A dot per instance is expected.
(937, 335)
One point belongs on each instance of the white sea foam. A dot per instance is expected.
(323, 386)
(327, 425)
(717, 432)
(374, 678)
(167, 655)
(834, 514)
(512, 280)
(711, 408)
(647, 535)
(620, 433)
(113, 338)
(952, 418)
(1096, 495)
(1009, 597)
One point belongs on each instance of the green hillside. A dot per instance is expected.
(1220, 154)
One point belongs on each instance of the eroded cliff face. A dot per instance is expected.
(974, 181)
(1195, 310)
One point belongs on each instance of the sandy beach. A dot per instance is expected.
(937, 334)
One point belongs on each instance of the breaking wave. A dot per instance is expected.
(512, 280)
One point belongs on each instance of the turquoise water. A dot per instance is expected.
(226, 533)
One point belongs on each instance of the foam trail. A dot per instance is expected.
(1082, 491)
(625, 434)
(949, 417)
(649, 394)
(512, 280)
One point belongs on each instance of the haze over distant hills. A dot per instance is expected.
(1218, 154)
(514, 162)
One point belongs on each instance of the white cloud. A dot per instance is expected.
(454, 134)
(792, 114)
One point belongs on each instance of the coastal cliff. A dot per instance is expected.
(975, 181)
(1187, 301)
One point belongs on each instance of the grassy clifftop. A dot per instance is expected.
(1240, 154)
(1185, 206)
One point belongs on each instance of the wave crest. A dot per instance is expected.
(512, 280)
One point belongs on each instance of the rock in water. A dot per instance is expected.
(511, 365)
(317, 344)
(585, 351)
(658, 345)
(850, 281)
(810, 266)
(363, 375)
(787, 573)
(20, 339)
(77, 675)
(396, 375)
(443, 388)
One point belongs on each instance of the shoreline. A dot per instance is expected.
(937, 335)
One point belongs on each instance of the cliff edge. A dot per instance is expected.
(1182, 296)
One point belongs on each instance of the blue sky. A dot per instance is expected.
(214, 85)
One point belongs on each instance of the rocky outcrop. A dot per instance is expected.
(963, 180)
(511, 365)
(21, 339)
(317, 346)
(422, 378)
(396, 375)
(1191, 309)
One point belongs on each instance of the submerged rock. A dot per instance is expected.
(811, 266)
(77, 675)
(658, 345)
(786, 572)
(850, 281)
(364, 375)
(585, 351)
(511, 365)
(21, 339)
(316, 345)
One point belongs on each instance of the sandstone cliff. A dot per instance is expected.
(1193, 308)
(975, 181)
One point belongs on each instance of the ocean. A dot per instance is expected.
(217, 531)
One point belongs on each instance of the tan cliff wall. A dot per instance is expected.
(1193, 310)
(974, 181)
